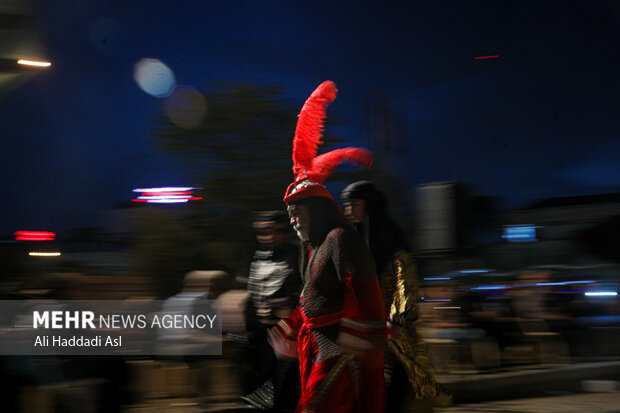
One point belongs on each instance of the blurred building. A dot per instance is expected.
(454, 226)
(442, 216)
(567, 230)
(564, 218)
(455, 229)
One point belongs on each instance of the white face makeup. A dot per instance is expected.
(300, 220)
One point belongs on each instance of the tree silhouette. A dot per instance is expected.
(241, 156)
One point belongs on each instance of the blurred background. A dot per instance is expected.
(139, 139)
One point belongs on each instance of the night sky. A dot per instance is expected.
(541, 120)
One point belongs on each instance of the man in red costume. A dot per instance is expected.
(338, 328)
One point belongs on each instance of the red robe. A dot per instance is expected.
(338, 329)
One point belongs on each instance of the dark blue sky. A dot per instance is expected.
(539, 121)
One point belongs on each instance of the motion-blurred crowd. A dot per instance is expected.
(473, 319)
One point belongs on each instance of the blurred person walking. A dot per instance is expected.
(200, 289)
(273, 285)
(338, 329)
(410, 382)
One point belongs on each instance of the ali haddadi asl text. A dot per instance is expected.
(78, 341)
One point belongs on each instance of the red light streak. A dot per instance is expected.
(166, 193)
(35, 233)
(34, 236)
(486, 57)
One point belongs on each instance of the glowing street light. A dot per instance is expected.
(34, 63)
(601, 294)
(44, 254)
(166, 195)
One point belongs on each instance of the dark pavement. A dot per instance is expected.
(530, 382)
(584, 388)
(571, 403)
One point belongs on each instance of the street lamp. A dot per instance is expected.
(34, 63)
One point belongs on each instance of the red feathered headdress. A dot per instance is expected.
(311, 170)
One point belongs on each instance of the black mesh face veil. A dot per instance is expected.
(385, 237)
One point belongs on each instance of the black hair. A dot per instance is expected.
(278, 217)
(367, 191)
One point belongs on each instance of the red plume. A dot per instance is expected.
(309, 129)
(311, 170)
(323, 165)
